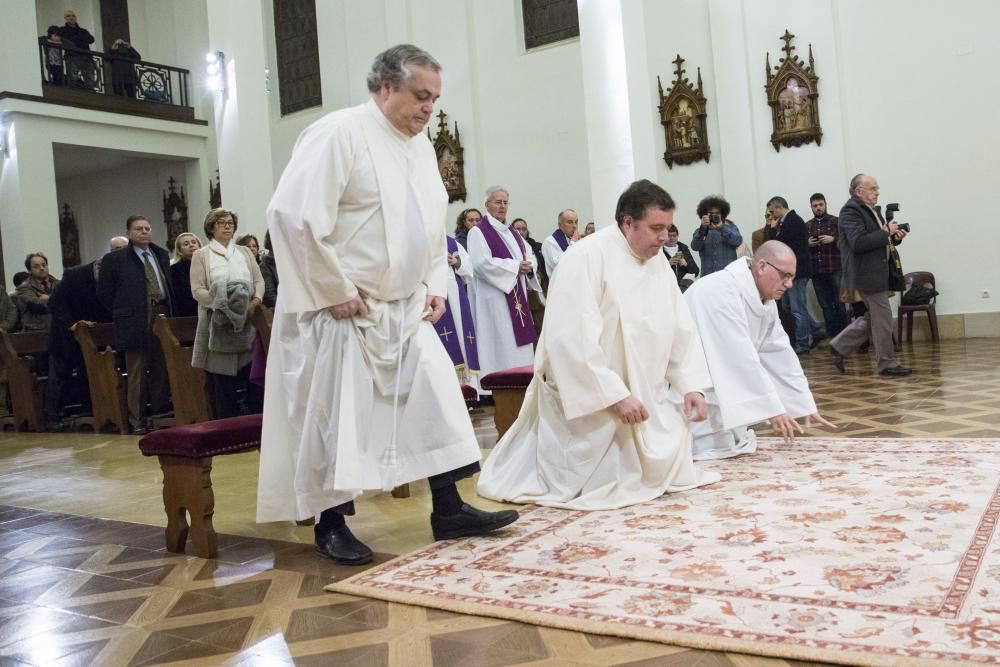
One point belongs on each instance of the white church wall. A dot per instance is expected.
(101, 205)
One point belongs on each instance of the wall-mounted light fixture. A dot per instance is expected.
(216, 69)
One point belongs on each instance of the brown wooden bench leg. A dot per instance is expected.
(401, 491)
(506, 406)
(187, 488)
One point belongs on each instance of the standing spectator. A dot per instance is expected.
(227, 284)
(467, 219)
(589, 229)
(269, 270)
(250, 241)
(32, 295)
(826, 265)
(556, 243)
(717, 237)
(520, 225)
(792, 232)
(765, 233)
(134, 286)
(864, 250)
(180, 274)
(53, 54)
(79, 66)
(123, 59)
(680, 258)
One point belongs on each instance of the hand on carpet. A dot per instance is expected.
(786, 426)
(817, 417)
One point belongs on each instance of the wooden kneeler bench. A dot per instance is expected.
(186, 454)
(508, 389)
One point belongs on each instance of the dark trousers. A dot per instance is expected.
(827, 288)
(438, 481)
(226, 390)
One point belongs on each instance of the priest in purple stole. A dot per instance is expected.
(504, 271)
(456, 328)
(560, 240)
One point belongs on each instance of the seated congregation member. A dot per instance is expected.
(679, 258)
(756, 374)
(467, 219)
(134, 285)
(32, 295)
(556, 243)
(250, 241)
(227, 284)
(185, 246)
(457, 328)
(596, 430)
(269, 269)
(717, 238)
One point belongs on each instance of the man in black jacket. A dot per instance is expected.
(134, 285)
(73, 299)
(80, 67)
(791, 231)
(680, 258)
(864, 252)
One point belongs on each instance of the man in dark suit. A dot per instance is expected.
(680, 258)
(792, 232)
(134, 285)
(864, 252)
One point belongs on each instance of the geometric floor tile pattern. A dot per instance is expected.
(85, 580)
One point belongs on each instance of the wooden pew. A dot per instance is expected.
(107, 384)
(187, 383)
(27, 389)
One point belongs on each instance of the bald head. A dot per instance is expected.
(773, 269)
(568, 221)
(117, 242)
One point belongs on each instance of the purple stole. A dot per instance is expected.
(517, 300)
(448, 332)
(560, 237)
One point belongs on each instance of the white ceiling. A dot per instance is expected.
(72, 160)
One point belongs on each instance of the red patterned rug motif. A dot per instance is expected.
(857, 551)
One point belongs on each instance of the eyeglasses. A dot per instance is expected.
(785, 276)
(226, 223)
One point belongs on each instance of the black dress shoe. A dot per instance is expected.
(340, 546)
(470, 521)
(838, 360)
(896, 371)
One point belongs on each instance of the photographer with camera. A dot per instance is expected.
(870, 265)
(717, 238)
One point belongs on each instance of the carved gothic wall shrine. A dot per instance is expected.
(69, 234)
(175, 212)
(793, 95)
(451, 164)
(682, 114)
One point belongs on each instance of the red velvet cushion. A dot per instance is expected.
(212, 438)
(512, 378)
(469, 394)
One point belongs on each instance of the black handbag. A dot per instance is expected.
(918, 295)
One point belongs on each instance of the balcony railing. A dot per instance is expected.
(105, 74)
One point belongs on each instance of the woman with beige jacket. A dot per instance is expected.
(228, 286)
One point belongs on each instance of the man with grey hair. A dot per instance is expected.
(556, 243)
(504, 270)
(360, 393)
(865, 238)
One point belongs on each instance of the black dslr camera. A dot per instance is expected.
(714, 219)
(890, 213)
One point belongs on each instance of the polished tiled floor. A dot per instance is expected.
(84, 578)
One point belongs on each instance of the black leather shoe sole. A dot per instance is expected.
(362, 560)
(898, 371)
(469, 525)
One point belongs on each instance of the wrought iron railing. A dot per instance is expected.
(107, 74)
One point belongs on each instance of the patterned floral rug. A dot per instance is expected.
(876, 552)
